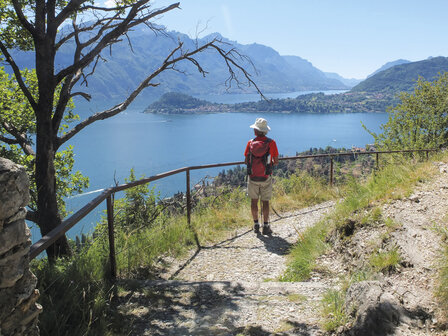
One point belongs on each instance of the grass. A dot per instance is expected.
(301, 190)
(441, 293)
(79, 288)
(360, 207)
(392, 182)
(333, 310)
(385, 261)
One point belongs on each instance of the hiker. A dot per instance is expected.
(261, 154)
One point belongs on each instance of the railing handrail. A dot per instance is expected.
(67, 224)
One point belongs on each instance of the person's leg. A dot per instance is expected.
(253, 191)
(266, 194)
(266, 211)
(254, 208)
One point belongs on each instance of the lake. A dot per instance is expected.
(150, 144)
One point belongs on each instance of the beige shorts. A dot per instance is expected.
(260, 189)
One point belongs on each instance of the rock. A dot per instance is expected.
(375, 312)
(13, 235)
(14, 188)
(18, 294)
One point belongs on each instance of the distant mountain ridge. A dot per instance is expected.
(124, 69)
(389, 65)
(403, 77)
(350, 82)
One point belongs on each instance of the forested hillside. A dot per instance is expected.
(403, 77)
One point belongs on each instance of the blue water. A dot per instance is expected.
(151, 144)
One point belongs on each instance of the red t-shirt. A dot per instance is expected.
(272, 147)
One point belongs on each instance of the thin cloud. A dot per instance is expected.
(110, 3)
(227, 19)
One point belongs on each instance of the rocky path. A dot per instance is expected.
(232, 288)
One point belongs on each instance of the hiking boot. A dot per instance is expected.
(257, 228)
(267, 230)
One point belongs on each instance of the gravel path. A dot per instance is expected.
(231, 288)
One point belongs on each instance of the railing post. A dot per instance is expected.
(188, 198)
(377, 161)
(331, 172)
(189, 208)
(427, 155)
(110, 225)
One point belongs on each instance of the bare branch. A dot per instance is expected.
(64, 94)
(66, 38)
(18, 75)
(93, 70)
(31, 216)
(68, 10)
(168, 64)
(105, 9)
(8, 141)
(28, 26)
(112, 35)
(86, 96)
(21, 139)
(230, 62)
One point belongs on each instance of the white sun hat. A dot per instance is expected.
(261, 125)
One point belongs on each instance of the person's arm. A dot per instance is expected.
(274, 152)
(246, 154)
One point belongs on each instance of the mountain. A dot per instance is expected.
(403, 77)
(124, 68)
(309, 76)
(389, 65)
(350, 82)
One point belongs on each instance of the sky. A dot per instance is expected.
(350, 37)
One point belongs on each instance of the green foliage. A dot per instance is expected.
(402, 77)
(12, 32)
(140, 208)
(300, 190)
(333, 309)
(442, 282)
(385, 261)
(303, 255)
(74, 293)
(381, 186)
(173, 102)
(18, 117)
(420, 120)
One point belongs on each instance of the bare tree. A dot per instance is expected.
(36, 25)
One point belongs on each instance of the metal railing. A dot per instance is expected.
(108, 194)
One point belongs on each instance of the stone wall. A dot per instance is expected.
(18, 294)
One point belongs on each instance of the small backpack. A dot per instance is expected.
(258, 167)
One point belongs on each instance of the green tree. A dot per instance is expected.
(420, 120)
(17, 118)
(36, 25)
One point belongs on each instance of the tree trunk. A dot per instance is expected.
(47, 208)
(48, 216)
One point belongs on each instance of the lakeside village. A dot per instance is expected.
(349, 102)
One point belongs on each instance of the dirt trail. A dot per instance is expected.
(230, 288)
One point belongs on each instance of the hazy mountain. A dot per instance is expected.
(125, 68)
(404, 76)
(350, 82)
(309, 75)
(389, 65)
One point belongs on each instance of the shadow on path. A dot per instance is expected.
(275, 244)
(279, 217)
(179, 308)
